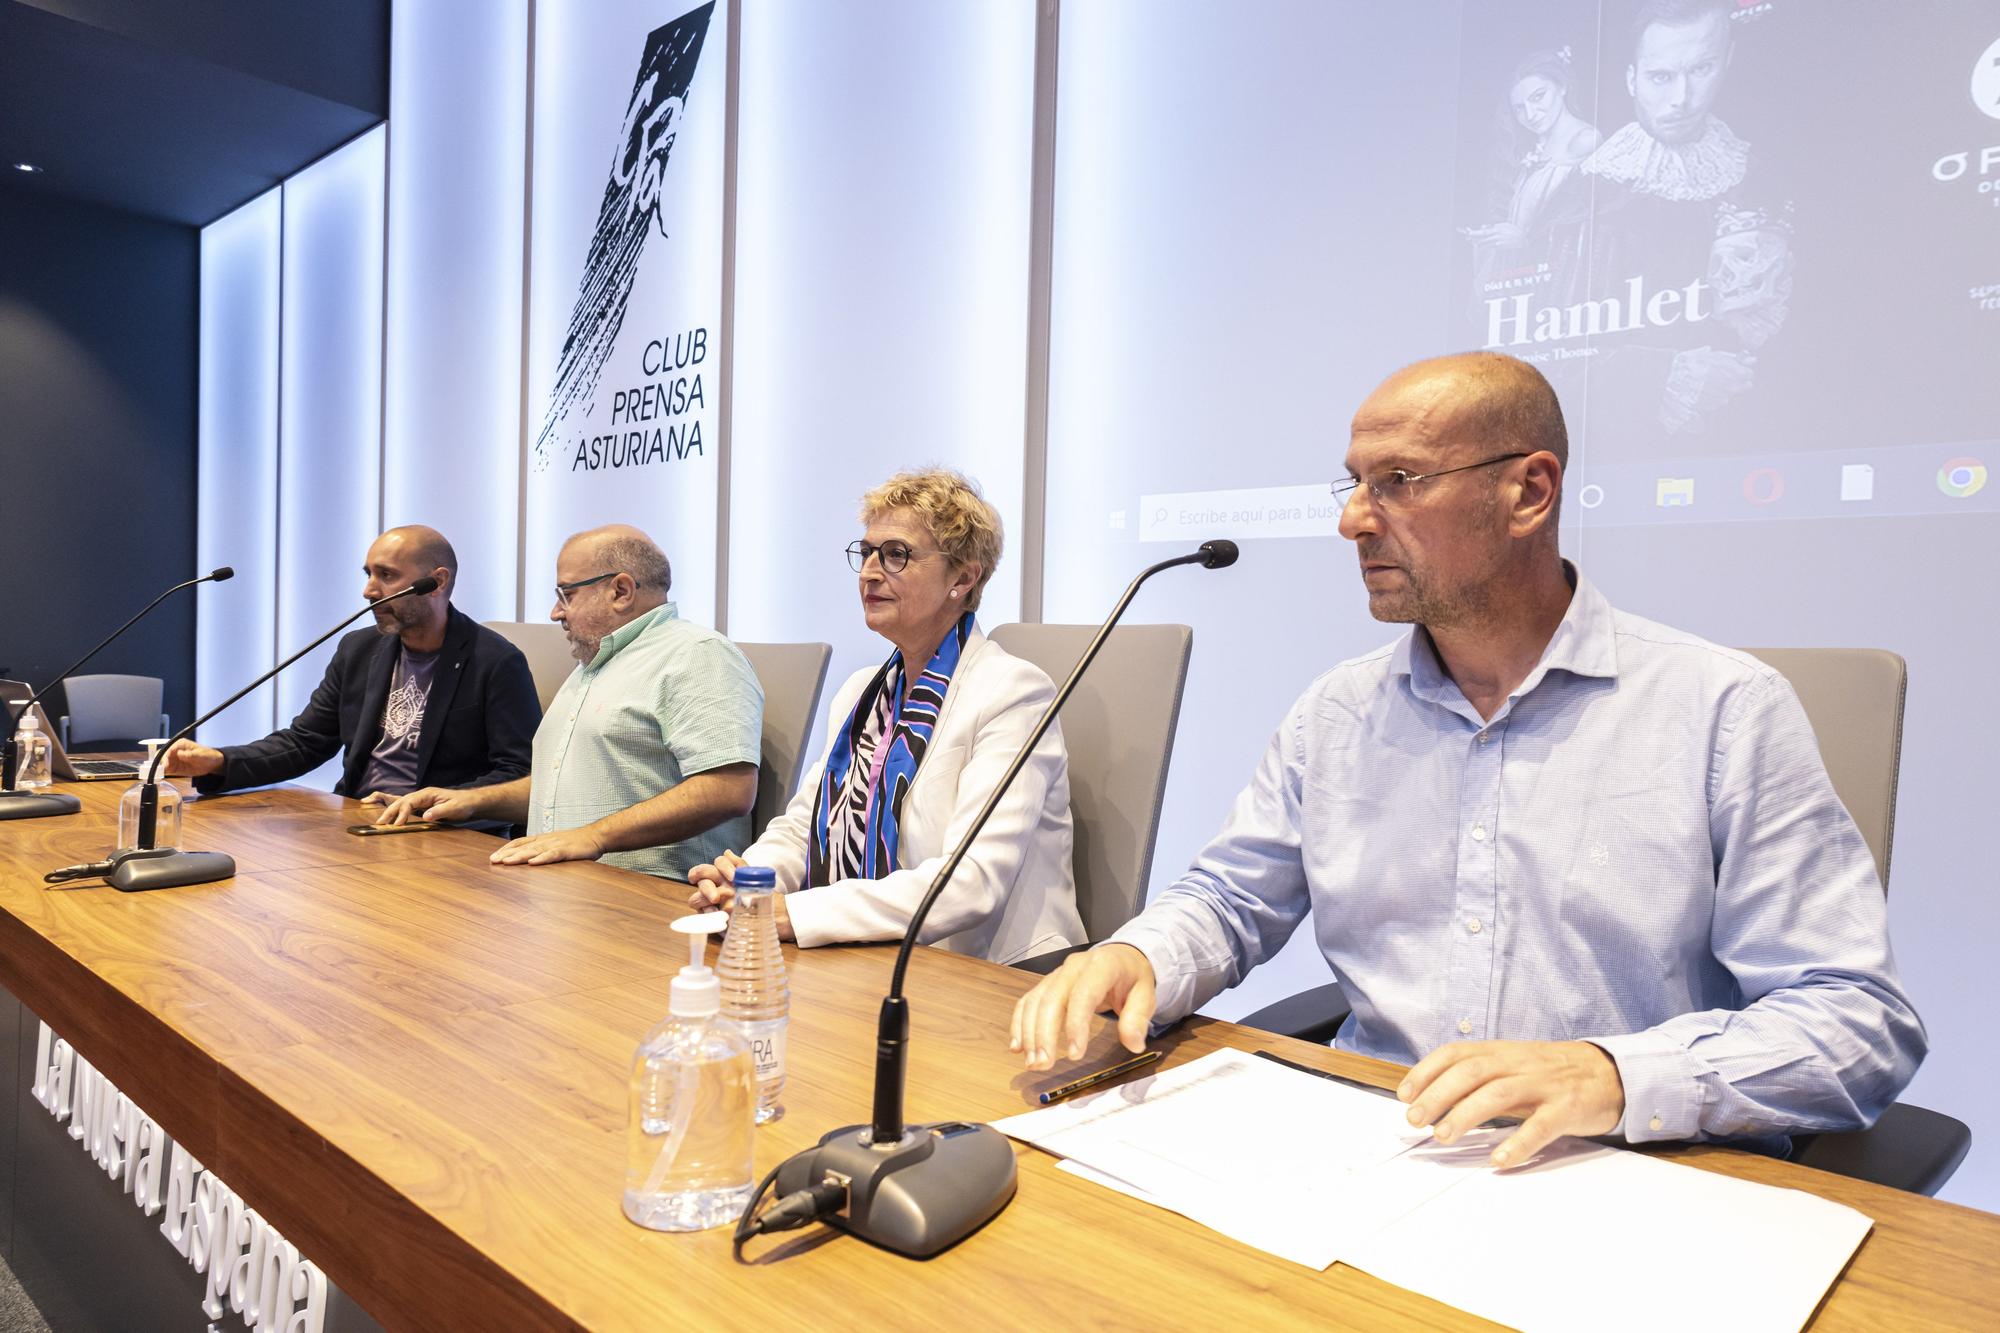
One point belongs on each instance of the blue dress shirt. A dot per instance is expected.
(1640, 849)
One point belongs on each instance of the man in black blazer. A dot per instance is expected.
(428, 697)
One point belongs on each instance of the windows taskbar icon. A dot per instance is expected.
(1961, 477)
(1763, 486)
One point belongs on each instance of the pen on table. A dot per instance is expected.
(1321, 1073)
(1101, 1076)
(1496, 1121)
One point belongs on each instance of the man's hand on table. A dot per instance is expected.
(444, 804)
(1053, 1019)
(1554, 1087)
(545, 849)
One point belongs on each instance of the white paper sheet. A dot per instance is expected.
(1586, 1238)
(1582, 1238)
(1278, 1159)
(1316, 1241)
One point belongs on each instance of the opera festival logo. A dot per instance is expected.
(628, 212)
(1986, 80)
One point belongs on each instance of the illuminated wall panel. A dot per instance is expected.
(330, 411)
(458, 105)
(237, 517)
(881, 291)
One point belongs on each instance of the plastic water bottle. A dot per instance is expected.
(694, 1100)
(31, 755)
(755, 995)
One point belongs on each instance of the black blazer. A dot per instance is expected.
(479, 722)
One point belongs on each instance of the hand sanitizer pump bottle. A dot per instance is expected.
(694, 1106)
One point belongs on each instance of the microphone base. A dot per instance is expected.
(37, 804)
(919, 1196)
(171, 871)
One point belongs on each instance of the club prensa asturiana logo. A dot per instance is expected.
(627, 213)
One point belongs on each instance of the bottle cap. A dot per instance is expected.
(754, 877)
(697, 991)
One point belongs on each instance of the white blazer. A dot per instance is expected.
(1014, 895)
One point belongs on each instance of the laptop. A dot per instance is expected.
(61, 766)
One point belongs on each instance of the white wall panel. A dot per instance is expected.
(883, 190)
(330, 414)
(1234, 267)
(458, 105)
(236, 516)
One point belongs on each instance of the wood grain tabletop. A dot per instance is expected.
(413, 1063)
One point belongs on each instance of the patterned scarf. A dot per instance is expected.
(856, 817)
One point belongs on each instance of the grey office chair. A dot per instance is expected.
(547, 651)
(1853, 698)
(1118, 728)
(792, 675)
(120, 708)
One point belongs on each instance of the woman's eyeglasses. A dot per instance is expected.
(895, 556)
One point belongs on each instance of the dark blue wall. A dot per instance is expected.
(99, 334)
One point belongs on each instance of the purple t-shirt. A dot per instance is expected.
(392, 764)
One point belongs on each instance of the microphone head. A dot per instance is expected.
(222, 575)
(423, 587)
(1219, 554)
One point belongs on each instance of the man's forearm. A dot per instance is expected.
(693, 806)
(1807, 1062)
(280, 757)
(506, 800)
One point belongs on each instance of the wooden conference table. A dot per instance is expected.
(414, 1065)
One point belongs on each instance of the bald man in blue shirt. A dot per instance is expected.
(1573, 866)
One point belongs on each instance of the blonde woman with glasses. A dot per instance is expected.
(915, 747)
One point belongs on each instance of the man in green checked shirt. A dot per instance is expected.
(647, 756)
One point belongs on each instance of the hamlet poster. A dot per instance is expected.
(1655, 204)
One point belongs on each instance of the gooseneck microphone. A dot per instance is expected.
(917, 1189)
(1218, 554)
(29, 805)
(150, 867)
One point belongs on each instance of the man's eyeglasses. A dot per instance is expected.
(895, 556)
(563, 590)
(1394, 486)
